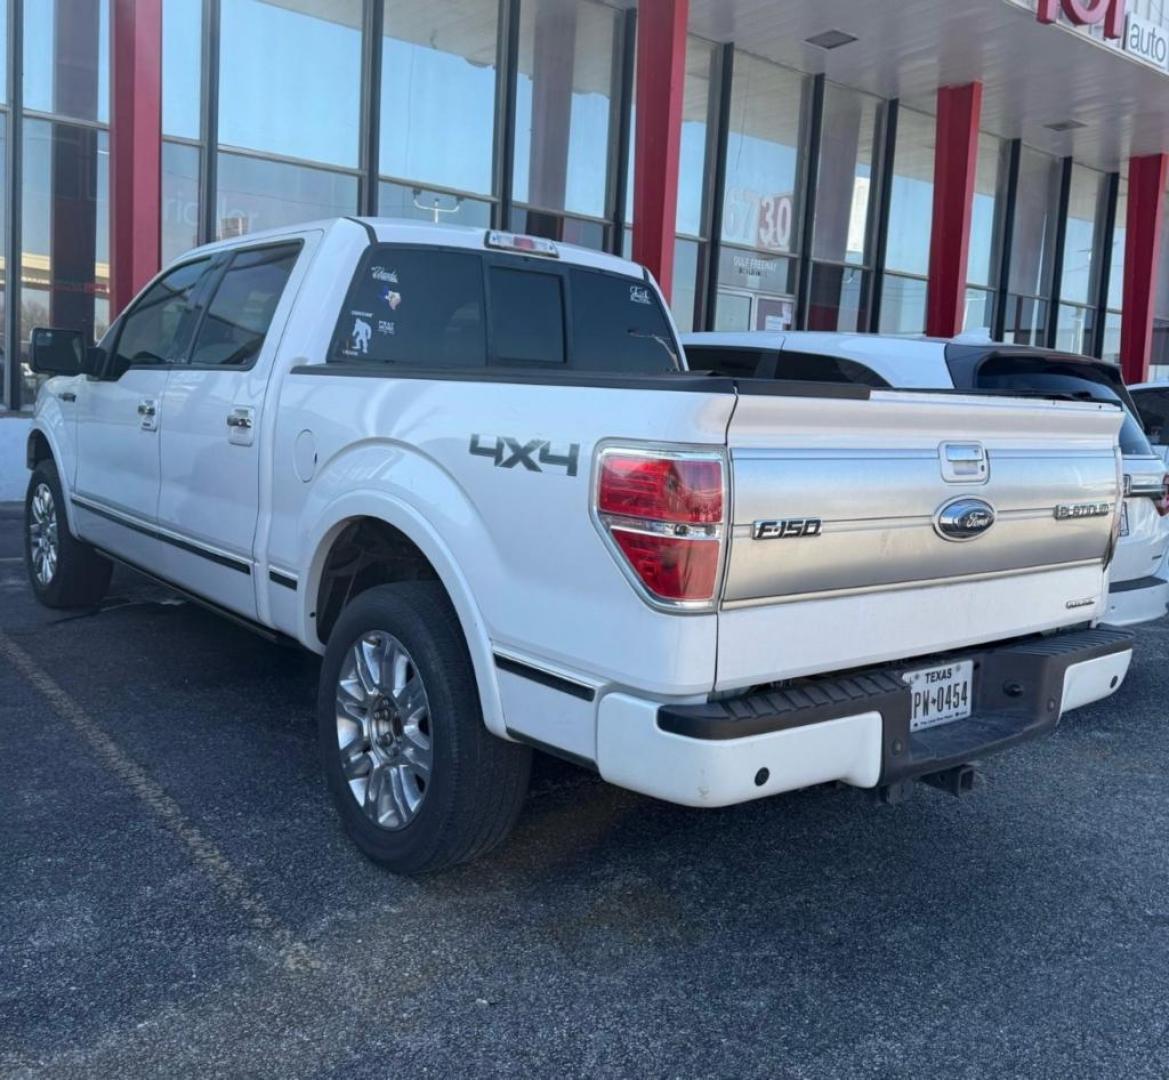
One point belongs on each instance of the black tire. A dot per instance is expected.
(478, 782)
(80, 576)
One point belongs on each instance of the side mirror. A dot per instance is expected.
(59, 352)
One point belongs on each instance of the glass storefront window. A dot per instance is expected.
(182, 59)
(979, 310)
(685, 282)
(849, 148)
(1026, 320)
(1075, 328)
(903, 305)
(1119, 236)
(839, 299)
(438, 92)
(289, 81)
(180, 199)
(1080, 254)
(982, 264)
(256, 194)
(65, 231)
(1111, 350)
(66, 58)
(404, 201)
(564, 102)
(1161, 296)
(1036, 211)
(692, 162)
(911, 200)
(756, 291)
(765, 145)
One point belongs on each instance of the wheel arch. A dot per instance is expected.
(415, 551)
(41, 445)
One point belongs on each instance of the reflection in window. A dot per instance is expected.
(979, 309)
(839, 298)
(1080, 257)
(764, 147)
(564, 98)
(1026, 321)
(65, 195)
(1036, 213)
(911, 202)
(180, 199)
(290, 82)
(182, 57)
(685, 290)
(1075, 327)
(848, 150)
(438, 92)
(1119, 235)
(692, 153)
(66, 58)
(990, 180)
(404, 201)
(903, 305)
(255, 194)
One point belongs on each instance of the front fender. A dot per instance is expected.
(50, 422)
(322, 531)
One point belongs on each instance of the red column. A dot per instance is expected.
(1142, 254)
(955, 161)
(135, 147)
(661, 74)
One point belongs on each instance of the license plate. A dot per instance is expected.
(1124, 519)
(940, 695)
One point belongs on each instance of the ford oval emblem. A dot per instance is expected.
(963, 519)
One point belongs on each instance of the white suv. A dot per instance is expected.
(1139, 583)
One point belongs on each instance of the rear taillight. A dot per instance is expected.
(663, 514)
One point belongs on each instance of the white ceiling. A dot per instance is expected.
(1032, 75)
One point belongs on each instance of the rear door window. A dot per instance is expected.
(417, 306)
(232, 331)
(1153, 406)
(728, 360)
(618, 325)
(1092, 382)
(527, 317)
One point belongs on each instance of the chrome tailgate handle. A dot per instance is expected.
(963, 463)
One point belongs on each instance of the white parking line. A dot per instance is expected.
(293, 953)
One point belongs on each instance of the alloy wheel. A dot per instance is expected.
(383, 729)
(42, 534)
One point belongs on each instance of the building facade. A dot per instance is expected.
(902, 166)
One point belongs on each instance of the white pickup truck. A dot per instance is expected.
(471, 470)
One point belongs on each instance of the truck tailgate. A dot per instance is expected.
(842, 552)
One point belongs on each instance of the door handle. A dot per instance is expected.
(148, 411)
(67, 395)
(240, 422)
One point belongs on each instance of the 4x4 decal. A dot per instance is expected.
(508, 452)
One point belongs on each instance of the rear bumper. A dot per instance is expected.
(1137, 601)
(853, 728)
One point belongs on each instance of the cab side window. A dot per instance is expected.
(237, 319)
(157, 329)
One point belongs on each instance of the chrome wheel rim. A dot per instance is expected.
(383, 730)
(42, 534)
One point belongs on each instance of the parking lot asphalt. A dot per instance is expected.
(177, 897)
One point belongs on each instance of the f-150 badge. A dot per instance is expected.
(791, 529)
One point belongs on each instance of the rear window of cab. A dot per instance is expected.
(426, 307)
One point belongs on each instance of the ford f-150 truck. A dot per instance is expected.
(470, 469)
